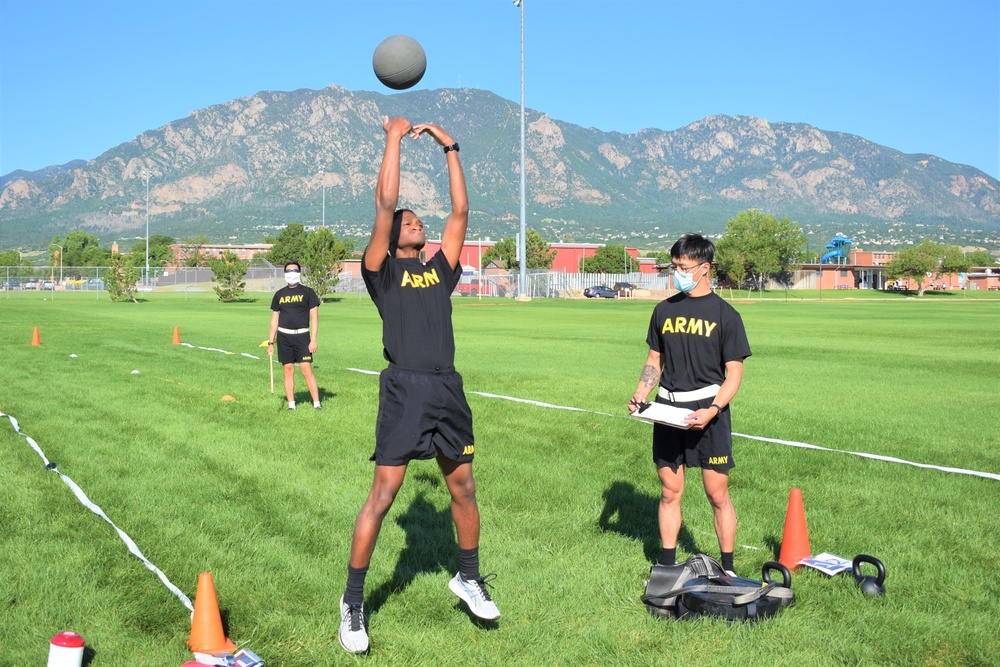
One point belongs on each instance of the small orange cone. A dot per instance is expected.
(35, 338)
(177, 336)
(795, 541)
(207, 635)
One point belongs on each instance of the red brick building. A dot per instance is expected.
(216, 250)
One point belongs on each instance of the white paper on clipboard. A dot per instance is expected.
(661, 413)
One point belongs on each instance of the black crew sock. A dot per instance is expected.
(668, 556)
(468, 563)
(727, 560)
(355, 592)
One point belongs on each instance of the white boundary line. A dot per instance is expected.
(786, 443)
(878, 457)
(85, 501)
(134, 549)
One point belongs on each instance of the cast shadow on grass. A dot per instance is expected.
(773, 542)
(430, 547)
(302, 397)
(633, 514)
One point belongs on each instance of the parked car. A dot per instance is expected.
(48, 284)
(11, 284)
(31, 284)
(600, 292)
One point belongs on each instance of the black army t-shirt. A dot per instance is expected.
(414, 301)
(293, 306)
(695, 337)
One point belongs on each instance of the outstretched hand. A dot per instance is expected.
(398, 127)
(440, 136)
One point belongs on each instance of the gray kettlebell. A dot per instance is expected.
(870, 586)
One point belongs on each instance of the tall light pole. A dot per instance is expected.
(322, 175)
(145, 174)
(521, 242)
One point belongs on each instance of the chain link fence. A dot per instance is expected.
(263, 277)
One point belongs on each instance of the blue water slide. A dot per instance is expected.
(839, 247)
(830, 255)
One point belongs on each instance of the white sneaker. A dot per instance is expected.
(352, 635)
(730, 573)
(474, 594)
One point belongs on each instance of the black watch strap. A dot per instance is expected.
(453, 147)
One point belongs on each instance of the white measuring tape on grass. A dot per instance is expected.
(786, 443)
(878, 457)
(82, 497)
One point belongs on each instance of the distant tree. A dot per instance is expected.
(160, 251)
(191, 250)
(228, 271)
(322, 260)
(567, 238)
(759, 246)
(81, 249)
(504, 250)
(981, 258)
(953, 260)
(540, 254)
(607, 259)
(121, 279)
(289, 245)
(662, 257)
(923, 262)
(10, 258)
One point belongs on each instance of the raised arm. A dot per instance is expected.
(386, 192)
(453, 237)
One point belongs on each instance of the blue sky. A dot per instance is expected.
(78, 78)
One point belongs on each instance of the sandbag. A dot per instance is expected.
(700, 587)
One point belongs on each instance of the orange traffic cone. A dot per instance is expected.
(795, 541)
(207, 635)
(35, 338)
(177, 336)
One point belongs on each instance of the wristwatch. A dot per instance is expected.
(453, 147)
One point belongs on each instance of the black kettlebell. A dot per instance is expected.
(786, 576)
(870, 586)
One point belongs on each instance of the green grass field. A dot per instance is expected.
(265, 499)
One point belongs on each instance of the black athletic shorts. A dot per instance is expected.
(420, 414)
(293, 348)
(710, 448)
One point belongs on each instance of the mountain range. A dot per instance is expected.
(241, 170)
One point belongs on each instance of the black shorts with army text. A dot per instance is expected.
(293, 348)
(422, 414)
(710, 448)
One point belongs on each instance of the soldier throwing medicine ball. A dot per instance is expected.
(295, 311)
(422, 410)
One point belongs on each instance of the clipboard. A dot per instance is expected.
(661, 413)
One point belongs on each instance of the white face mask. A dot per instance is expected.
(292, 277)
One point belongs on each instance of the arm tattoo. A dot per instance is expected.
(649, 376)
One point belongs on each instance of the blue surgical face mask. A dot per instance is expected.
(685, 282)
(292, 277)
